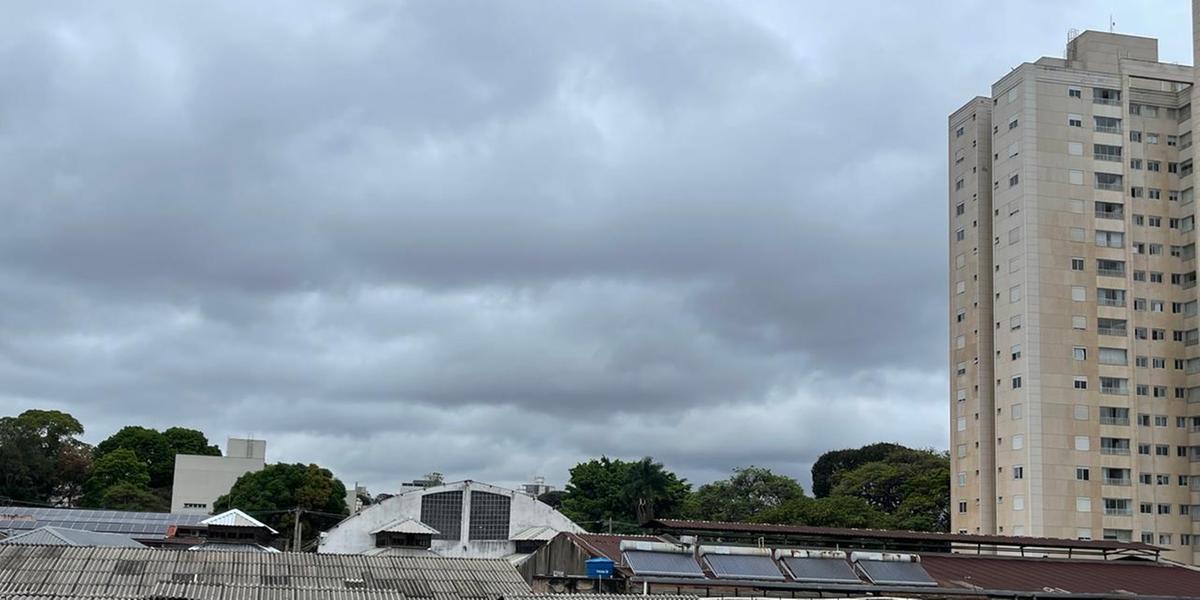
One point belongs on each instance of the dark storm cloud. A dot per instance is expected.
(520, 233)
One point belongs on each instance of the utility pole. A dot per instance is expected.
(296, 530)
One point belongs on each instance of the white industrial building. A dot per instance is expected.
(466, 519)
(200, 480)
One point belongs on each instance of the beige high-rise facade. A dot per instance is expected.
(1074, 342)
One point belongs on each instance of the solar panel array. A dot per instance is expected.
(895, 573)
(741, 566)
(820, 570)
(137, 524)
(665, 564)
(751, 567)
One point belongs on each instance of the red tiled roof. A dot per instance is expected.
(1077, 576)
(888, 534)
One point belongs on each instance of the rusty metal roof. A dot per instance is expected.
(1128, 577)
(834, 533)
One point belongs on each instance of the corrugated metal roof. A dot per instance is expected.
(140, 572)
(407, 525)
(1129, 577)
(886, 534)
(61, 536)
(544, 534)
(236, 518)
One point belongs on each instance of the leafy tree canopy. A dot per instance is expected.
(150, 447)
(750, 491)
(119, 467)
(625, 493)
(831, 511)
(268, 495)
(40, 457)
(129, 496)
(189, 441)
(831, 464)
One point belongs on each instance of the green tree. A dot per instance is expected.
(119, 467)
(913, 486)
(652, 490)
(129, 496)
(748, 492)
(38, 453)
(269, 493)
(73, 466)
(182, 440)
(830, 511)
(150, 447)
(831, 464)
(607, 490)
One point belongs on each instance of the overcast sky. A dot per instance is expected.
(493, 239)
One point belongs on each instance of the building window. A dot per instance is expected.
(1018, 472)
(1016, 382)
(1074, 92)
(443, 512)
(489, 516)
(1082, 474)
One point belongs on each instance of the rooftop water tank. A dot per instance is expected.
(599, 568)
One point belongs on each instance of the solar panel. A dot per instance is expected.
(741, 566)
(821, 570)
(896, 573)
(668, 564)
(109, 521)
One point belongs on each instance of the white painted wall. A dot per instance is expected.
(352, 535)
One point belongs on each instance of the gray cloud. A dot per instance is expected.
(492, 239)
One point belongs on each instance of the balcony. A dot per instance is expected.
(1117, 331)
(1117, 451)
(1109, 214)
(1107, 101)
(1114, 420)
(1118, 302)
(1107, 129)
(1117, 481)
(1118, 512)
(1111, 272)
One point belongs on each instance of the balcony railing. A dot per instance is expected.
(1114, 420)
(1111, 273)
(1107, 129)
(1193, 428)
(1118, 512)
(1108, 101)
(1117, 481)
(1112, 187)
(1102, 301)
(1106, 156)
(1109, 214)
(1118, 331)
(1115, 451)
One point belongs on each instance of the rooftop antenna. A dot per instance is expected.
(1112, 25)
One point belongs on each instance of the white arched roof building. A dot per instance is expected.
(462, 519)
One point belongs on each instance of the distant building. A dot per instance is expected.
(354, 498)
(538, 487)
(61, 536)
(200, 480)
(462, 519)
(1072, 213)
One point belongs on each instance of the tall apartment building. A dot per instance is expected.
(1074, 348)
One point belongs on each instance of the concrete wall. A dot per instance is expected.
(352, 536)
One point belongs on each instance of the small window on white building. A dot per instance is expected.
(1083, 504)
(1082, 443)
